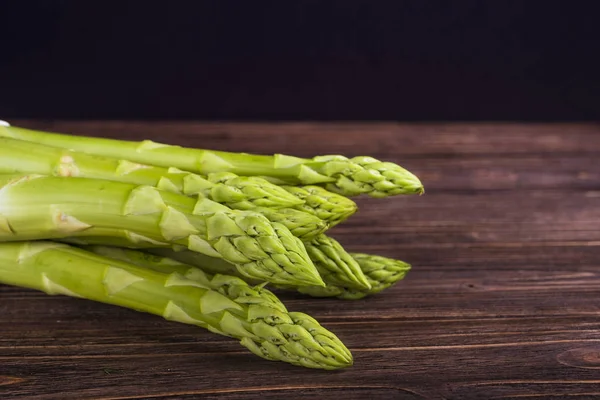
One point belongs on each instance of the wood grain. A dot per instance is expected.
(502, 302)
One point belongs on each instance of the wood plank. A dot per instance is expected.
(450, 140)
(501, 301)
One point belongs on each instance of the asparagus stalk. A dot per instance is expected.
(339, 174)
(234, 287)
(302, 225)
(205, 263)
(239, 192)
(260, 324)
(381, 272)
(326, 205)
(38, 207)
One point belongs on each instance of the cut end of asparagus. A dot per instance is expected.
(367, 175)
(335, 264)
(4, 123)
(328, 206)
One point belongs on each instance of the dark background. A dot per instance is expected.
(300, 60)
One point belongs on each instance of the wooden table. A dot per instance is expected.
(503, 300)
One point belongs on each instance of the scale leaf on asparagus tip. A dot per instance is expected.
(381, 272)
(334, 264)
(328, 206)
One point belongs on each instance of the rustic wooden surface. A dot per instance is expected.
(502, 302)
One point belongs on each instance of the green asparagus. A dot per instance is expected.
(334, 264)
(260, 325)
(34, 207)
(328, 206)
(302, 224)
(381, 272)
(347, 176)
(208, 264)
(234, 287)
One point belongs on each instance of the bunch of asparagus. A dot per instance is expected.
(195, 236)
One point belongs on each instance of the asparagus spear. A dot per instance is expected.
(381, 272)
(261, 326)
(347, 176)
(334, 264)
(39, 207)
(205, 263)
(302, 225)
(326, 205)
(231, 286)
